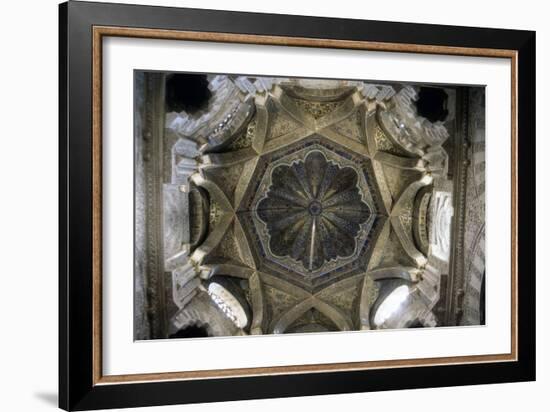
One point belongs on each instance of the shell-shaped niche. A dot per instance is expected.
(313, 211)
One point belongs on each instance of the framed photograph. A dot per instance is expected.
(256, 206)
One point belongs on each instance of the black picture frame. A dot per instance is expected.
(77, 387)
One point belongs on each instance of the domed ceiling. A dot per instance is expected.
(301, 206)
(312, 212)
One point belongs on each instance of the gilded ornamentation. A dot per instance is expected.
(317, 109)
(313, 211)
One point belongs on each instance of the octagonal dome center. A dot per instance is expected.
(313, 211)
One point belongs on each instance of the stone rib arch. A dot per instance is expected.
(281, 324)
(202, 312)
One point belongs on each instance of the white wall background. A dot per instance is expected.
(28, 203)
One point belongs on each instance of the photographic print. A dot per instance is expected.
(250, 184)
(268, 205)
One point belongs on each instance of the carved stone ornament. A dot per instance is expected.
(319, 201)
(313, 211)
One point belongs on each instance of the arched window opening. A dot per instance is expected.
(191, 331)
